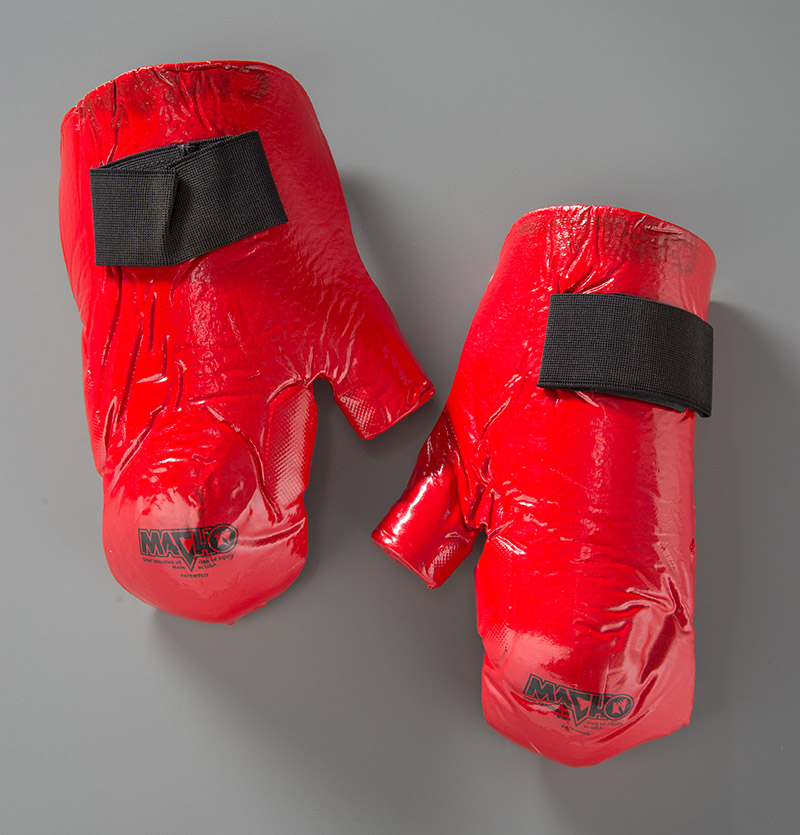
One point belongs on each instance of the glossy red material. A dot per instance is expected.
(585, 587)
(197, 377)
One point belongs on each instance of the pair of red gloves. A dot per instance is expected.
(210, 253)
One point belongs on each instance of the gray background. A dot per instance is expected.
(351, 704)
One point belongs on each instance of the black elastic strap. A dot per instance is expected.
(628, 346)
(166, 205)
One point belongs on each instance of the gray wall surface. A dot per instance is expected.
(351, 704)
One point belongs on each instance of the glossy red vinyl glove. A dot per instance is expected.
(585, 587)
(197, 373)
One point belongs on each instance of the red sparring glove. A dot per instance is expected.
(216, 280)
(585, 586)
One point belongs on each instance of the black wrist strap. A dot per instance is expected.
(630, 347)
(167, 205)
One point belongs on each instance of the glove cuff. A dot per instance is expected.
(163, 206)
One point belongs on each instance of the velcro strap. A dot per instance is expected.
(628, 346)
(167, 205)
